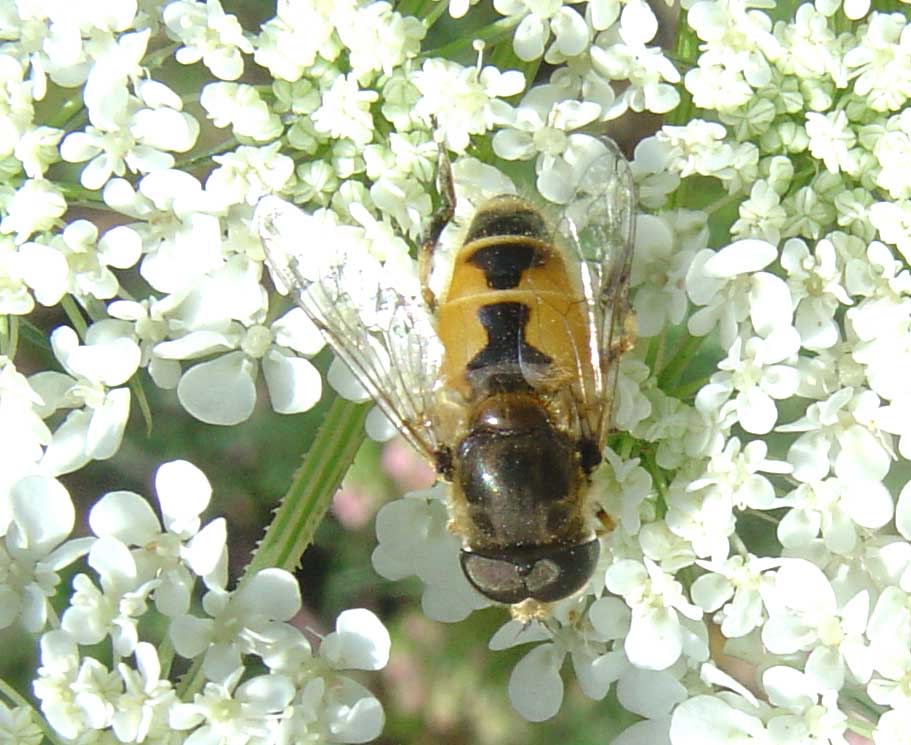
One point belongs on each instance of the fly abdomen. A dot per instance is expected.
(506, 362)
(519, 474)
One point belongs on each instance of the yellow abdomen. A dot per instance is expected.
(513, 307)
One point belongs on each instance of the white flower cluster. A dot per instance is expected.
(137, 565)
(807, 311)
(768, 391)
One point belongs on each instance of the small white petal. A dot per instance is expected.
(856, 9)
(625, 576)
(107, 425)
(297, 331)
(788, 687)
(46, 271)
(756, 411)
(826, 669)
(513, 144)
(648, 732)
(786, 634)
(706, 720)
(798, 527)
(272, 592)
(361, 722)
(770, 303)
(903, 512)
(535, 686)
(191, 636)
(113, 562)
(294, 383)
(638, 24)
(120, 247)
(741, 257)
(861, 458)
(802, 585)
(528, 40)
(594, 679)
(711, 591)
(649, 693)
(272, 692)
(610, 617)
(345, 383)
(571, 31)
(124, 515)
(165, 129)
(221, 391)
(205, 549)
(378, 426)
(359, 642)
(868, 503)
(655, 639)
(43, 514)
(183, 493)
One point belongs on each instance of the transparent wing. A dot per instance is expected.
(370, 312)
(599, 224)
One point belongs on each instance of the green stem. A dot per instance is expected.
(654, 354)
(312, 488)
(762, 516)
(679, 361)
(686, 51)
(303, 506)
(222, 147)
(720, 204)
(166, 657)
(65, 112)
(9, 336)
(434, 15)
(17, 699)
(142, 401)
(74, 314)
(157, 57)
(650, 463)
(683, 392)
(491, 34)
(192, 681)
(78, 196)
(864, 729)
(739, 546)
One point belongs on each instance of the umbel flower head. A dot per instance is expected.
(755, 518)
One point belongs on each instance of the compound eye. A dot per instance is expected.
(544, 573)
(497, 579)
(563, 572)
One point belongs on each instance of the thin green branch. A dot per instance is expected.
(678, 363)
(762, 516)
(491, 34)
(142, 401)
(9, 336)
(310, 494)
(304, 505)
(158, 57)
(690, 388)
(65, 112)
(222, 147)
(862, 728)
(434, 15)
(74, 314)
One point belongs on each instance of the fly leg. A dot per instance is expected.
(438, 222)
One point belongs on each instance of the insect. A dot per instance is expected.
(506, 381)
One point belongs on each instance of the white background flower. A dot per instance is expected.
(769, 279)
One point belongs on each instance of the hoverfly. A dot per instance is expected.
(506, 382)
